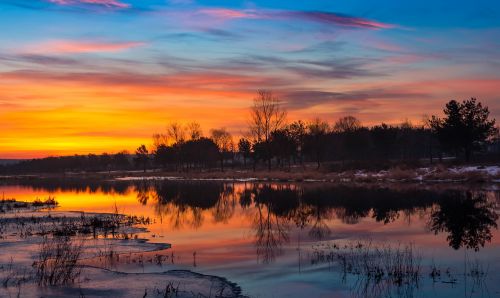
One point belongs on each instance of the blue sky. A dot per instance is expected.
(93, 60)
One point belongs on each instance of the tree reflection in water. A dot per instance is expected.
(182, 204)
(226, 204)
(467, 217)
(271, 223)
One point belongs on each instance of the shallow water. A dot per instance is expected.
(266, 237)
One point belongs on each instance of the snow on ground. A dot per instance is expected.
(490, 170)
(96, 282)
(139, 178)
(175, 178)
(112, 265)
(424, 174)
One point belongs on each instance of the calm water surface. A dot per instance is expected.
(266, 237)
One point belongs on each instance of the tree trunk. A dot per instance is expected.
(468, 153)
(430, 152)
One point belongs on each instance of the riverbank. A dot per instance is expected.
(431, 174)
(52, 253)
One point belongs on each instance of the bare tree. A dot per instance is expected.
(142, 156)
(159, 140)
(194, 130)
(224, 141)
(267, 116)
(244, 147)
(316, 139)
(347, 124)
(176, 132)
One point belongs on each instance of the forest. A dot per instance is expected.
(464, 134)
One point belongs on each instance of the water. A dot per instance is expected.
(267, 237)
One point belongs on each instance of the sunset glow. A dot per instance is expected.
(93, 76)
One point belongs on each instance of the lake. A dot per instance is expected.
(286, 239)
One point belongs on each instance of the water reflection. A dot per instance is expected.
(466, 217)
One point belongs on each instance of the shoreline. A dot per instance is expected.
(427, 175)
(100, 262)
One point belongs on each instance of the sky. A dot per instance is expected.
(93, 76)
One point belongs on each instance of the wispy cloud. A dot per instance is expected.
(328, 18)
(70, 47)
(107, 3)
(181, 80)
(301, 99)
(225, 13)
(39, 60)
(337, 19)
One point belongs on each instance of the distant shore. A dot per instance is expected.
(432, 174)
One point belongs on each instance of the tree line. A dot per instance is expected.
(467, 217)
(273, 142)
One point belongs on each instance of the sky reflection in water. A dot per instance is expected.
(263, 236)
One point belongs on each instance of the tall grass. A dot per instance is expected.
(398, 265)
(57, 262)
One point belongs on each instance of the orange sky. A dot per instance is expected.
(104, 76)
(57, 116)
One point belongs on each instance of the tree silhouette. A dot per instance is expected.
(202, 152)
(316, 139)
(347, 124)
(142, 156)
(467, 218)
(224, 141)
(298, 132)
(194, 130)
(465, 129)
(176, 132)
(244, 147)
(164, 155)
(466, 126)
(283, 146)
(267, 116)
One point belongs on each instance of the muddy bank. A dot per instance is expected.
(60, 254)
(435, 174)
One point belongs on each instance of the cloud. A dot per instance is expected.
(70, 47)
(320, 69)
(225, 13)
(332, 18)
(106, 3)
(328, 18)
(181, 80)
(40, 60)
(302, 99)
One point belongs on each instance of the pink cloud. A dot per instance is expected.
(67, 47)
(327, 18)
(107, 3)
(331, 18)
(224, 13)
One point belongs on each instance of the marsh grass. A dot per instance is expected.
(49, 202)
(401, 174)
(399, 265)
(380, 270)
(11, 276)
(169, 291)
(57, 262)
(478, 274)
(392, 271)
